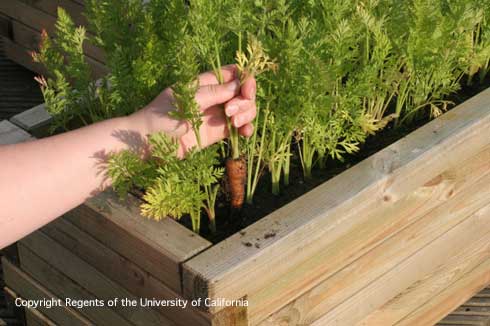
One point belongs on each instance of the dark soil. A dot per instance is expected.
(230, 221)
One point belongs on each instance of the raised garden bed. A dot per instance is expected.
(399, 238)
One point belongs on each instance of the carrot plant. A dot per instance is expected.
(330, 73)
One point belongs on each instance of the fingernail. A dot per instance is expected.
(231, 110)
(254, 91)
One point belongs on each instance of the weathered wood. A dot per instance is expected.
(121, 270)
(12, 311)
(472, 230)
(63, 287)
(30, 39)
(5, 26)
(314, 222)
(36, 20)
(34, 120)
(20, 55)
(11, 134)
(26, 287)
(422, 291)
(32, 316)
(90, 278)
(35, 318)
(159, 247)
(435, 309)
(421, 217)
(51, 8)
(231, 316)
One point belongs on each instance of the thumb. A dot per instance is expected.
(211, 95)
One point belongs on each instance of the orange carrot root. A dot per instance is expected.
(236, 171)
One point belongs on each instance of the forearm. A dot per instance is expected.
(65, 169)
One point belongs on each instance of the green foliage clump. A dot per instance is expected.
(332, 73)
(174, 186)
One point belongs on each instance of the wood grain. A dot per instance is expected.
(90, 278)
(158, 247)
(315, 221)
(454, 295)
(50, 7)
(469, 232)
(35, 318)
(407, 226)
(63, 287)
(121, 270)
(33, 19)
(30, 38)
(20, 55)
(426, 289)
(26, 287)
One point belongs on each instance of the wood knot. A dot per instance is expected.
(434, 182)
(450, 193)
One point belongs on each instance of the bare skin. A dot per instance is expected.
(43, 179)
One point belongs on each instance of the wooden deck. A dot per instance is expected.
(18, 92)
(18, 89)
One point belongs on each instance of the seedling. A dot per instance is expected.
(330, 73)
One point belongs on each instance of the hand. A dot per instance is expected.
(239, 105)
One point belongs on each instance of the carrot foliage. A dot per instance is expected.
(329, 73)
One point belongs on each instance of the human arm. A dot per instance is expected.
(41, 180)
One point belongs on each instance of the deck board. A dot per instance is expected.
(18, 89)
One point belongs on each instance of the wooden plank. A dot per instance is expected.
(464, 321)
(435, 309)
(37, 20)
(157, 247)
(422, 291)
(32, 316)
(231, 316)
(11, 134)
(474, 229)
(35, 318)
(121, 270)
(90, 278)
(12, 313)
(34, 120)
(63, 287)
(20, 55)
(315, 221)
(4, 26)
(430, 211)
(26, 287)
(50, 7)
(30, 38)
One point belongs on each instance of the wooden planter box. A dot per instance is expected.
(400, 238)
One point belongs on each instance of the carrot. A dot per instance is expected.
(236, 171)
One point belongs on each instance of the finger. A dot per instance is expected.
(249, 88)
(242, 118)
(246, 130)
(215, 129)
(210, 95)
(237, 105)
(209, 78)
